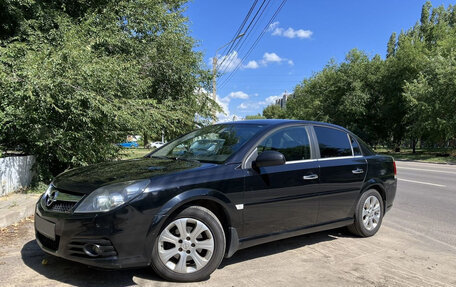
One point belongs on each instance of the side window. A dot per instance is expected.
(355, 146)
(332, 142)
(292, 142)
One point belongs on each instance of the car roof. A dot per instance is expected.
(279, 122)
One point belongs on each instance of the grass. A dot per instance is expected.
(37, 188)
(131, 153)
(447, 156)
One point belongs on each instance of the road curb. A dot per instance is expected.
(16, 207)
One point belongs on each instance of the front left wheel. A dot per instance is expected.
(190, 246)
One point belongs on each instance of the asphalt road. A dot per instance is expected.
(425, 204)
(416, 246)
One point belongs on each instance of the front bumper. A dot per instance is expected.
(126, 236)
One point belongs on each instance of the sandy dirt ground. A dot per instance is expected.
(394, 257)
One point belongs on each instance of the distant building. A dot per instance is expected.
(283, 101)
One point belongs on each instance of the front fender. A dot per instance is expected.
(229, 208)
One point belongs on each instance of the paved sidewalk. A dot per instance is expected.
(15, 207)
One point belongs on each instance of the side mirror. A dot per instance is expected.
(269, 158)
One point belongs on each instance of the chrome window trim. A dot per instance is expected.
(301, 161)
(350, 142)
(339, 157)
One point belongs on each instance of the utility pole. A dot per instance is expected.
(214, 77)
(214, 67)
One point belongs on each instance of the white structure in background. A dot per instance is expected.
(283, 101)
(15, 173)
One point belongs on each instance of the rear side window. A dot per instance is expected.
(292, 142)
(332, 142)
(355, 146)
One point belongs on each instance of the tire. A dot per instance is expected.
(368, 214)
(189, 263)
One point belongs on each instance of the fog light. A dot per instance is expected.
(93, 250)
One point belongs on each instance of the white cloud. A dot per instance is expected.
(227, 63)
(224, 116)
(273, 26)
(238, 95)
(300, 33)
(258, 105)
(272, 57)
(224, 102)
(252, 65)
(243, 106)
(290, 32)
(277, 31)
(250, 106)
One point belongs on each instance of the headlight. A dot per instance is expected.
(46, 194)
(48, 190)
(109, 197)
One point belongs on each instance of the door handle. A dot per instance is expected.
(310, 177)
(358, 171)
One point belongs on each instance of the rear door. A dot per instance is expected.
(342, 172)
(283, 197)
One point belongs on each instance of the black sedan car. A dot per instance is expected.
(218, 189)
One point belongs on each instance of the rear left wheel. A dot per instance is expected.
(368, 214)
(190, 246)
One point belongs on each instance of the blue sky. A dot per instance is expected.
(304, 37)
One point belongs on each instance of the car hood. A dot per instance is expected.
(87, 179)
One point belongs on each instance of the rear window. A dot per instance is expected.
(355, 146)
(366, 149)
(332, 142)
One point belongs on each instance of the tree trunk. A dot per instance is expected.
(145, 139)
(414, 145)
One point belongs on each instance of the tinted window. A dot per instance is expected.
(292, 142)
(355, 146)
(365, 147)
(210, 144)
(332, 142)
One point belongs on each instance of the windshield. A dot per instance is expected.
(209, 144)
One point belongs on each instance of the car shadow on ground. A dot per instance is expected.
(284, 245)
(77, 274)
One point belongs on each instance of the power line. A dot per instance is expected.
(240, 44)
(247, 34)
(254, 44)
(228, 49)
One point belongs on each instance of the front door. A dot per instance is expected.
(281, 198)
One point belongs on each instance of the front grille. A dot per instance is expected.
(47, 242)
(62, 206)
(60, 201)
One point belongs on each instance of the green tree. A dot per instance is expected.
(273, 112)
(78, 76)
(391, 46)
(403, 98)
(255, 117)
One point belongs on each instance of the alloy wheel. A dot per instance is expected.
(185, 245)
(371, 212)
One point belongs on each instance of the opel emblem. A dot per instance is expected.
(52, 197)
